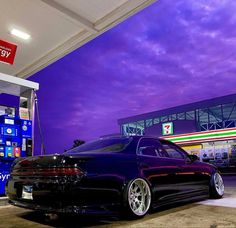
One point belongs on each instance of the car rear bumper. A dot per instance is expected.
(53, 197)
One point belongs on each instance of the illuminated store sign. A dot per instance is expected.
(167, 128)
(7, 52)
(206, 136)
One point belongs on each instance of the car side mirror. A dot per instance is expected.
(193, 157)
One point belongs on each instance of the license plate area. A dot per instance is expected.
(27, 192)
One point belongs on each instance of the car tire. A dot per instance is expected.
(216, 186)
(137, 199)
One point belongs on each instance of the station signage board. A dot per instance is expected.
(7, 52)
(167, 128)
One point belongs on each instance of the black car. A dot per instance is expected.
(119, 174)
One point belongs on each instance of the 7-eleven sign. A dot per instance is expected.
(167, 128)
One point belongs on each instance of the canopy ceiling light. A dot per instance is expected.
(20, 34)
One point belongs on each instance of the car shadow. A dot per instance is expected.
(69, 221)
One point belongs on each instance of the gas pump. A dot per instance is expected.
(15, 142)
(10, 146)
(26, 134)
(15, 137)
(16, 131)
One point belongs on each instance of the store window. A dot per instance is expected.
(150, 147)
(203, 115)
(164, 118)
(173, 117)
(190, 115)
(140, 123)
(149, 123)
(173, 151)
(156, 121)
(229, 111)
(181, 116)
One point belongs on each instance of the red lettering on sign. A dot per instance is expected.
(7, 52)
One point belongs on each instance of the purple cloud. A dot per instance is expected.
(171, 53)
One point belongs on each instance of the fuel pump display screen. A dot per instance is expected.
(11, 131)
(9, 121)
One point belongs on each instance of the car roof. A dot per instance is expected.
(137, 137)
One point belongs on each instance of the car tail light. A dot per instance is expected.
(64, 171)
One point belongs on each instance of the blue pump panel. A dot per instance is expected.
(9, 131)
(9, 152)
(4, 174)
(15, 135)
(26, 128)
(2, 151)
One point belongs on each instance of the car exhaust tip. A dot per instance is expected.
(51, 217)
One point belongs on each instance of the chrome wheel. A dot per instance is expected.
(139, 197)
(219, 185)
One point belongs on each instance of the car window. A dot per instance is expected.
(149, 151)
(102, 146)
(173, 151)
(150, 147)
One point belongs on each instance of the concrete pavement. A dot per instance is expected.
(208, 213)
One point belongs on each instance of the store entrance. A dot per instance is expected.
(219, 153)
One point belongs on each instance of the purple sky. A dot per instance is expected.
(173, 52)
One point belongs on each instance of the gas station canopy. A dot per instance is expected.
(57, 27)
(15, 86)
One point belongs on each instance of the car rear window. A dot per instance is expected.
(102, 146)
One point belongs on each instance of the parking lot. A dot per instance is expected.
(208, 213)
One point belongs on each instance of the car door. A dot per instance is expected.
(189, 178)
(157, 168)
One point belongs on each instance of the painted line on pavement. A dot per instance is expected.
(224, 202)
(5, 206)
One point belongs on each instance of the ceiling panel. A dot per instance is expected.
(57, 27)
(42, 22)
(90, 9)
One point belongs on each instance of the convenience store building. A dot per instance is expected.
(206, 128)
